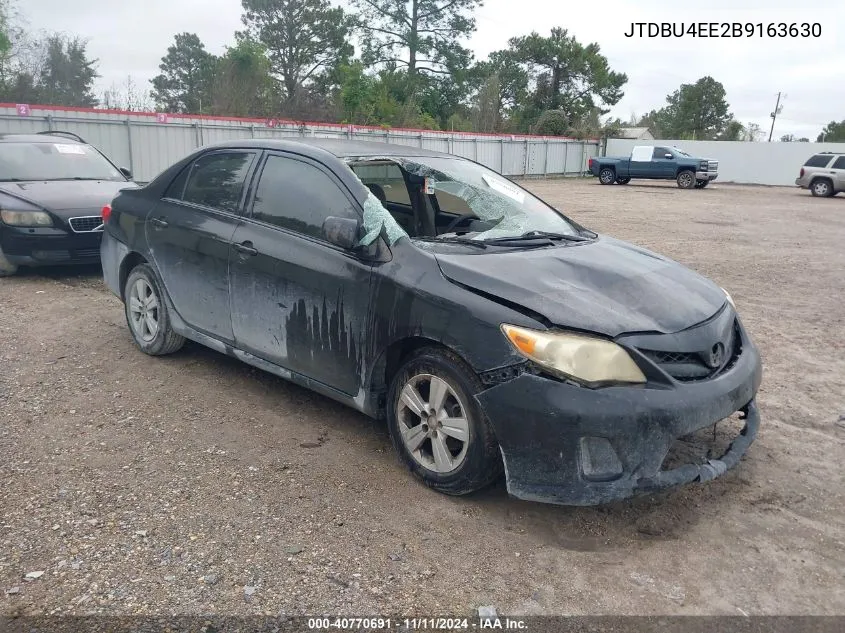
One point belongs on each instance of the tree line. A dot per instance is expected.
(297, 59)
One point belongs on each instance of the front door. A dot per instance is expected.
(298, 301)
(663, 162)
(189, 233)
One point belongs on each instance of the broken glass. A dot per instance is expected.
(378, 219)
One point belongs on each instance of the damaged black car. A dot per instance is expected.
(494, 334)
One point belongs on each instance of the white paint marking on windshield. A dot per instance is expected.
(502, 187)
(62, 148)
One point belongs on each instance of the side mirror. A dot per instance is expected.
(342, 232)
(126, 173)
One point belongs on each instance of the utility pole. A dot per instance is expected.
(774, 115)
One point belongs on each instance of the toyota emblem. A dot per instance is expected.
(717, 355)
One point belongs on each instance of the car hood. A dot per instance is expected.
(60, 196)
(607, 286)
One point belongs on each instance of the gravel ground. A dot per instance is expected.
(195, 484)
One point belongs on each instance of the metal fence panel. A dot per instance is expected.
(147, 146)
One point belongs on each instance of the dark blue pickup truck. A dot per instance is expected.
(656, 163)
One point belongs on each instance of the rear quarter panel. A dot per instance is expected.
(620, 165)
(124, 234)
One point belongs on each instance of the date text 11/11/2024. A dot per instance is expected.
(774, 30)
(417, 624)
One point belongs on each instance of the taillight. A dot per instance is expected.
(590, 164)
(106, 213)
(801, 175)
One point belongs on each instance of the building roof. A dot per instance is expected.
(634, 132)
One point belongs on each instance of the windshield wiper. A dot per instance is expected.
(453, 240)
(534, 235)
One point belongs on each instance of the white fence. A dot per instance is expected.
(147, 143)
(748, 163)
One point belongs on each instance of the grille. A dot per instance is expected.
(87, 224)
(713, 166)
(672, 357)
(690, 366)
(86, 253)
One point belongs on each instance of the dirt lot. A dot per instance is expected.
(180, 485)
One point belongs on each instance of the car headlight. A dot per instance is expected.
(26, 218)
(729, 298)
(583, 358)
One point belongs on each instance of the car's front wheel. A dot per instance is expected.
(7, 268)
(437, 426)
(686, 180)
(146, 314)
(821, 188)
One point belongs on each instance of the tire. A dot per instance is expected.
(466, 466)
(157, 341)
(623, 181)
(607, 176)
(686, 179)
(821, 188)
(7, 268)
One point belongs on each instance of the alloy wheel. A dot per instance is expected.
(433, 423)
(821, 188)
(143, 310)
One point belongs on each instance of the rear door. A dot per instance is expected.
(641, 162)
(838, 169)
(189, 233)
(297, 300)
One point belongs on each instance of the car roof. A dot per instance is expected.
(38, 138)
(340, 148)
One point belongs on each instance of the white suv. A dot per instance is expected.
(823, 174)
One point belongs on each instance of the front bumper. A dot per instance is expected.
(706, 175)
(48, 246)
(572, 445)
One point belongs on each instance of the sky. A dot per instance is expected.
(129, 38)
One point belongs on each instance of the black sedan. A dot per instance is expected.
(52, 191)
(494, 334)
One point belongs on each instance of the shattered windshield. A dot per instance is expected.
(484, 204)
(453, 200)
(501, 208)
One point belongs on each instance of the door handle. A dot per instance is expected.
(159, 223)
(246, 248)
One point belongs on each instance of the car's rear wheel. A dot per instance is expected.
(146, 314)
(607, 176)
(437, 426)
(623, 181)
(686, 180)
(822, 188)
(7, 268)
